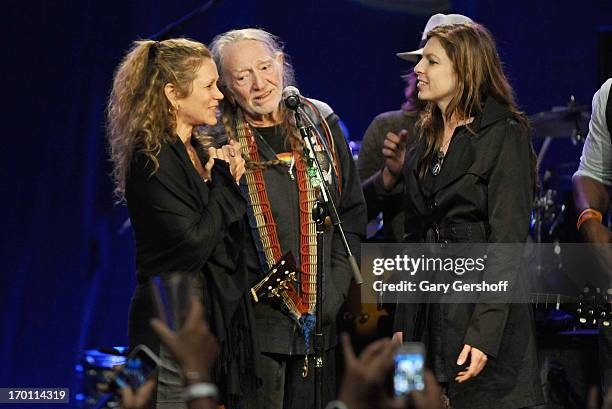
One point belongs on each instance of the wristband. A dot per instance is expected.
(200, 391)
(588, 214)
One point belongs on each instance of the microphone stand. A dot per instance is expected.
(306, 133)
(324, 207)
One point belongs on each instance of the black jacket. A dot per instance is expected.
(483, 194)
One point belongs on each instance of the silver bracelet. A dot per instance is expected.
(336, 404)
(200, 391)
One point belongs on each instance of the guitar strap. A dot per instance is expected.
(299, 302)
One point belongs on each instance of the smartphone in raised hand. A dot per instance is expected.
(409, 372)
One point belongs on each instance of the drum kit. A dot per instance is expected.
(552, 130)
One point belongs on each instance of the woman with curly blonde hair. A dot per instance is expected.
(185, 206)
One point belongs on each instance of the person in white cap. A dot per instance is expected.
(433, 22)
(470, 179)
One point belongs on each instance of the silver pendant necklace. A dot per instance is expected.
(437, 167)
(439, 159)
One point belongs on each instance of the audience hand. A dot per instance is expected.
(194, 346)
(430, 397)
(363, 385)
(138, 399)
(195, 349)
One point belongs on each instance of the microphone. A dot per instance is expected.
(292, 97)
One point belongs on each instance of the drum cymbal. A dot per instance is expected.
(561, 122)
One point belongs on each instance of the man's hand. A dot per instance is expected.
(394, 151)
(478, 360)
(235, 159)
(595, 232)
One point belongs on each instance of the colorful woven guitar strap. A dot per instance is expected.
(299, 303)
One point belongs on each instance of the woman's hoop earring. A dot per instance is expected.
(174, 109)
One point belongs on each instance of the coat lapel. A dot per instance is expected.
(459, 159)
(461, 153)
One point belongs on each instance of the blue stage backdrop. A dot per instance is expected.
(68, 269)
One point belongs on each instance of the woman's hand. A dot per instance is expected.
(232, 154)
(478, 360)
(208, 167)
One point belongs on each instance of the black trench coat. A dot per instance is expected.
(483, 194)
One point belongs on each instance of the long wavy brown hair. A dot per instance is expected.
(139, 116)
(478, 68)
